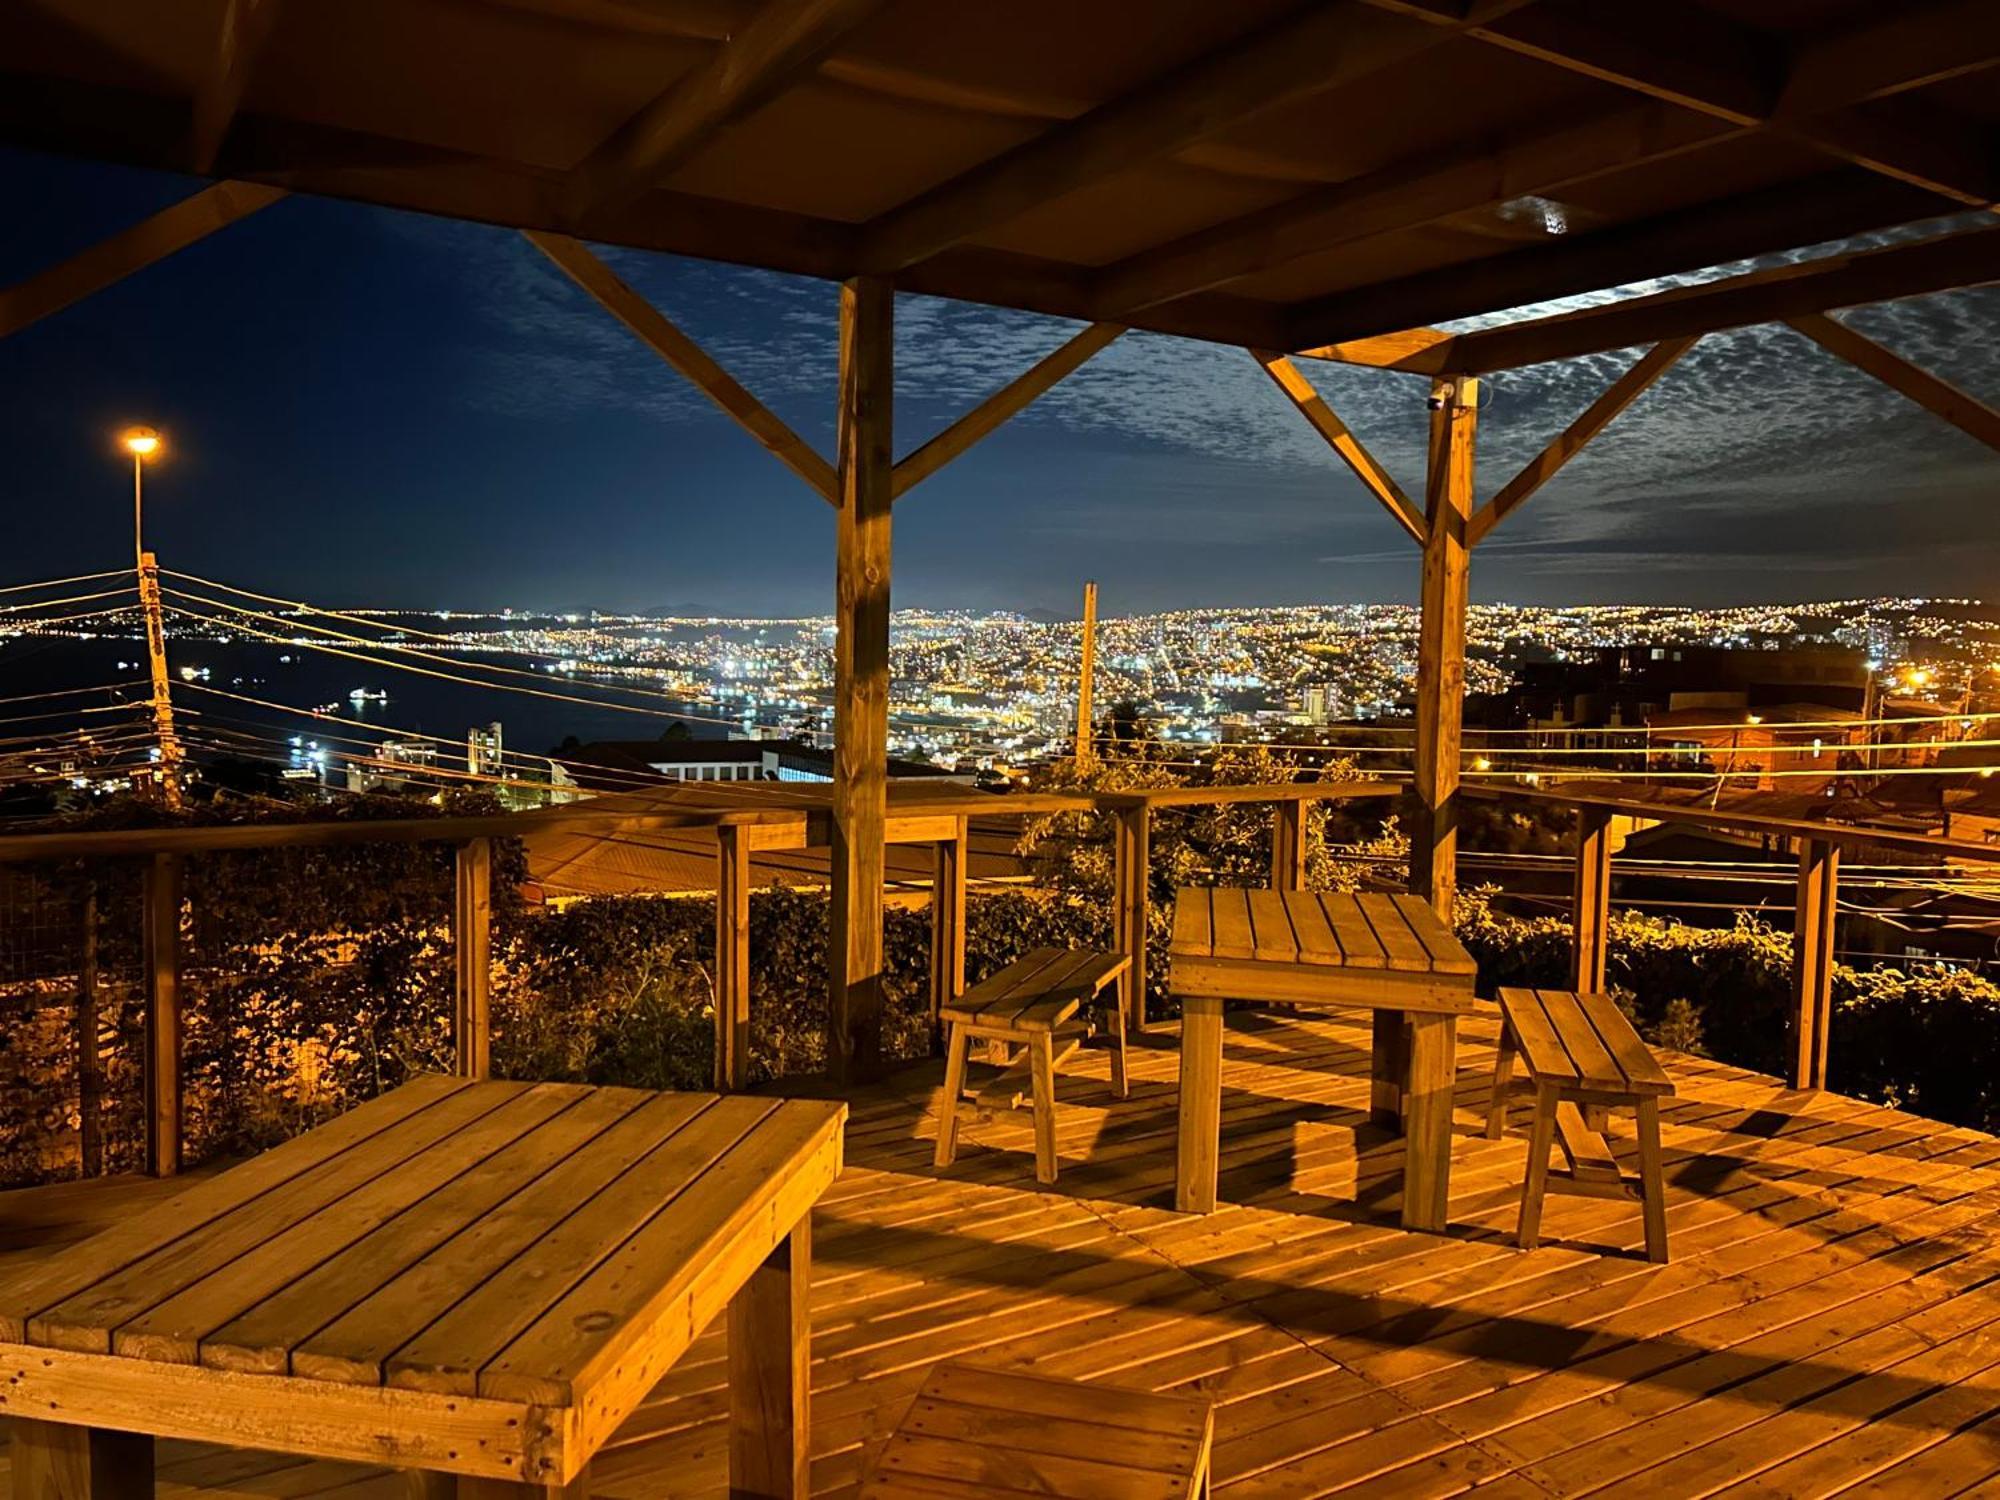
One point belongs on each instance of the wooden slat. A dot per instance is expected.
(85, 1322)
(1235, 936)
(1595, 1066)
(450, 1352)
(1541, 1048)
(1194, 932)
(1589, 1157)
(1635, 1059)
(1447, 955)
(1317, 942)
(369, 1285)
(35, 1288)
(1271, 925)
(1401, 947)
(1359, 947)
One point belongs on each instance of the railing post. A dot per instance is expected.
(948, 875)
(1812, 959)
(161, 956)
(472, 957)
(1590, 899)
(89, 1056)
(1134, 859)
(1288, 845)
(732, 958)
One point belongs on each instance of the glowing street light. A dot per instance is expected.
(142, 443)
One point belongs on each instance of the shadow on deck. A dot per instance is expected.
(1830, 1322)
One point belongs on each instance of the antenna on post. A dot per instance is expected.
(1086, 749)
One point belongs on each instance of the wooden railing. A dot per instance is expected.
(1818, 846)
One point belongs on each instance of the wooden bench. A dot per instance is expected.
(977, 1433)
(1033, 1003)
(1583, 1057)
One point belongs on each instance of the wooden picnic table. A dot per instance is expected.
(1325, 949)
(476, 1279)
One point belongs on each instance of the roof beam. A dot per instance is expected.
(657, 332)
(1703, 62)
(782, 42)
(112, 260)
(246, 25)
(1572, 440)
(1312, 406)
(1324, 45)
(1402, 196)
(1901, 47)
(1416, 351)
(1009, 401)
(1964, 411)
(1971, 258)
(1832, 206)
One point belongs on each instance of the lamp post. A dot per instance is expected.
(144, 443)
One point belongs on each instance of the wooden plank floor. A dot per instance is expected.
(1830, 1323)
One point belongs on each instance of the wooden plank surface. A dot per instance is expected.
(1235, 936)
(1271, 923)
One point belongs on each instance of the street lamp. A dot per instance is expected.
(142, 443)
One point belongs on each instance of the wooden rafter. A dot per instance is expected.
(1899, 48)
(1402, 196)
(112, 260)
(658, 333)
(245, 26)
(782, 42)
(1832, 206)
(1970, 258)
(1964, 411)
(1539, 470)
(1011, 399)
(1703, 62)
(1311, 51)
(1312, 406)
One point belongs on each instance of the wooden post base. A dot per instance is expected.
(1198, 1147)
(54, 1461)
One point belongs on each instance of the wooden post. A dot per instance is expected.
(1441, 639)
(1132, 874)
(769, 1370)
(732, 958)
(89, 1056)
(161, 944)
(860, 678)
(1288, 845)
(472, 958)
(57, 1461)
(947, 925)
(1812, 959)
(1086, 745)
(1590, 899)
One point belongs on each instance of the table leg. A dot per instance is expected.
(1427, 1130)
(55, 1461)
(1388, 1061)
(1200, 1143)
(769, 1374)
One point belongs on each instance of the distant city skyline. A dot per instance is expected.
(369, 406)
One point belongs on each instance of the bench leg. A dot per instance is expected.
(1114, 1020)
(1198, 1143)
(1043, 1061)
(1503, 1074)
(1386, 1069)
(55, 1461)
(1540, 1139)
(1652, 1180)
(769, 1374)
(948, 1106)
(1427, 1100)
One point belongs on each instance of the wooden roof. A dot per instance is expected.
(1266, 172)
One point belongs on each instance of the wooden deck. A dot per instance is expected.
(1830, 1323)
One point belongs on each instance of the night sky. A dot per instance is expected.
(367, 407)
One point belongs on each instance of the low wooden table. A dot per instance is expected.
(1389, 954)
(472, 1279)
